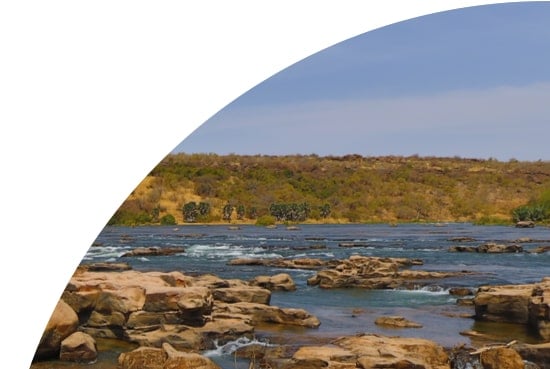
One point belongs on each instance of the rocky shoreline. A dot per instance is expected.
(174, 317)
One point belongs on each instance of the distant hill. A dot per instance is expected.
(332, 189)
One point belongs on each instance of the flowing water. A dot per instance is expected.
(345, 311)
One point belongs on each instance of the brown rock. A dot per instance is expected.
(538, 354)
(61, 325)
(98, 320)
(124, 300)
(501, 358)
(154, 251)
(374, 273)
(396, 322)
(504, 303)
(186, 360)
(143, 358)
(79, 347)
(253, 294)
(260, 313)
(278, 282)
(375, 351)
(460, 291)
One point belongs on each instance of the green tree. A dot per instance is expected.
(190, 212)
(227, 212)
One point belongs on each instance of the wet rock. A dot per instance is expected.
(525, 224)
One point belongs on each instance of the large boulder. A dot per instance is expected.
(78, 347)
(193, 303)
(62, 323)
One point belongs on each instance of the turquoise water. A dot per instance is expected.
(344, 311)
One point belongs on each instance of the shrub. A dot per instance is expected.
(168, 219)
(265, 220)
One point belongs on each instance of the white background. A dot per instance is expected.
(94, 94)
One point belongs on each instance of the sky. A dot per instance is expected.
(472, 82)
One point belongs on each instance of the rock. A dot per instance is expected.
(462, 249)
(154, 251)
(61, 325)
(151, 308)
(488, 248)
(523, 304)
(396, 322)
(223, 330)
(353, 244)
(460, 291)
(374, 273)
(540, 249)
(494, 248)
(260, 313)
(461, 239)
(124, 300)
(376, 351)
(504, 304)
(143, 358)
(525, 224)
(106, 267)
(180, 336)
(278, 282)
(186, 360)
(538, 354)
(501, 358)
(253, 294)
(298, 263)
(78, 347)
(99, 320)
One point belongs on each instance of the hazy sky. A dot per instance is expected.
(473, 82)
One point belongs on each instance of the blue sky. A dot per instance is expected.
(472, 82)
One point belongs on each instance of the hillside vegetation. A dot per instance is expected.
(206, 188)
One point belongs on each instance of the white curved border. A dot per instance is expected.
(93, 96)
